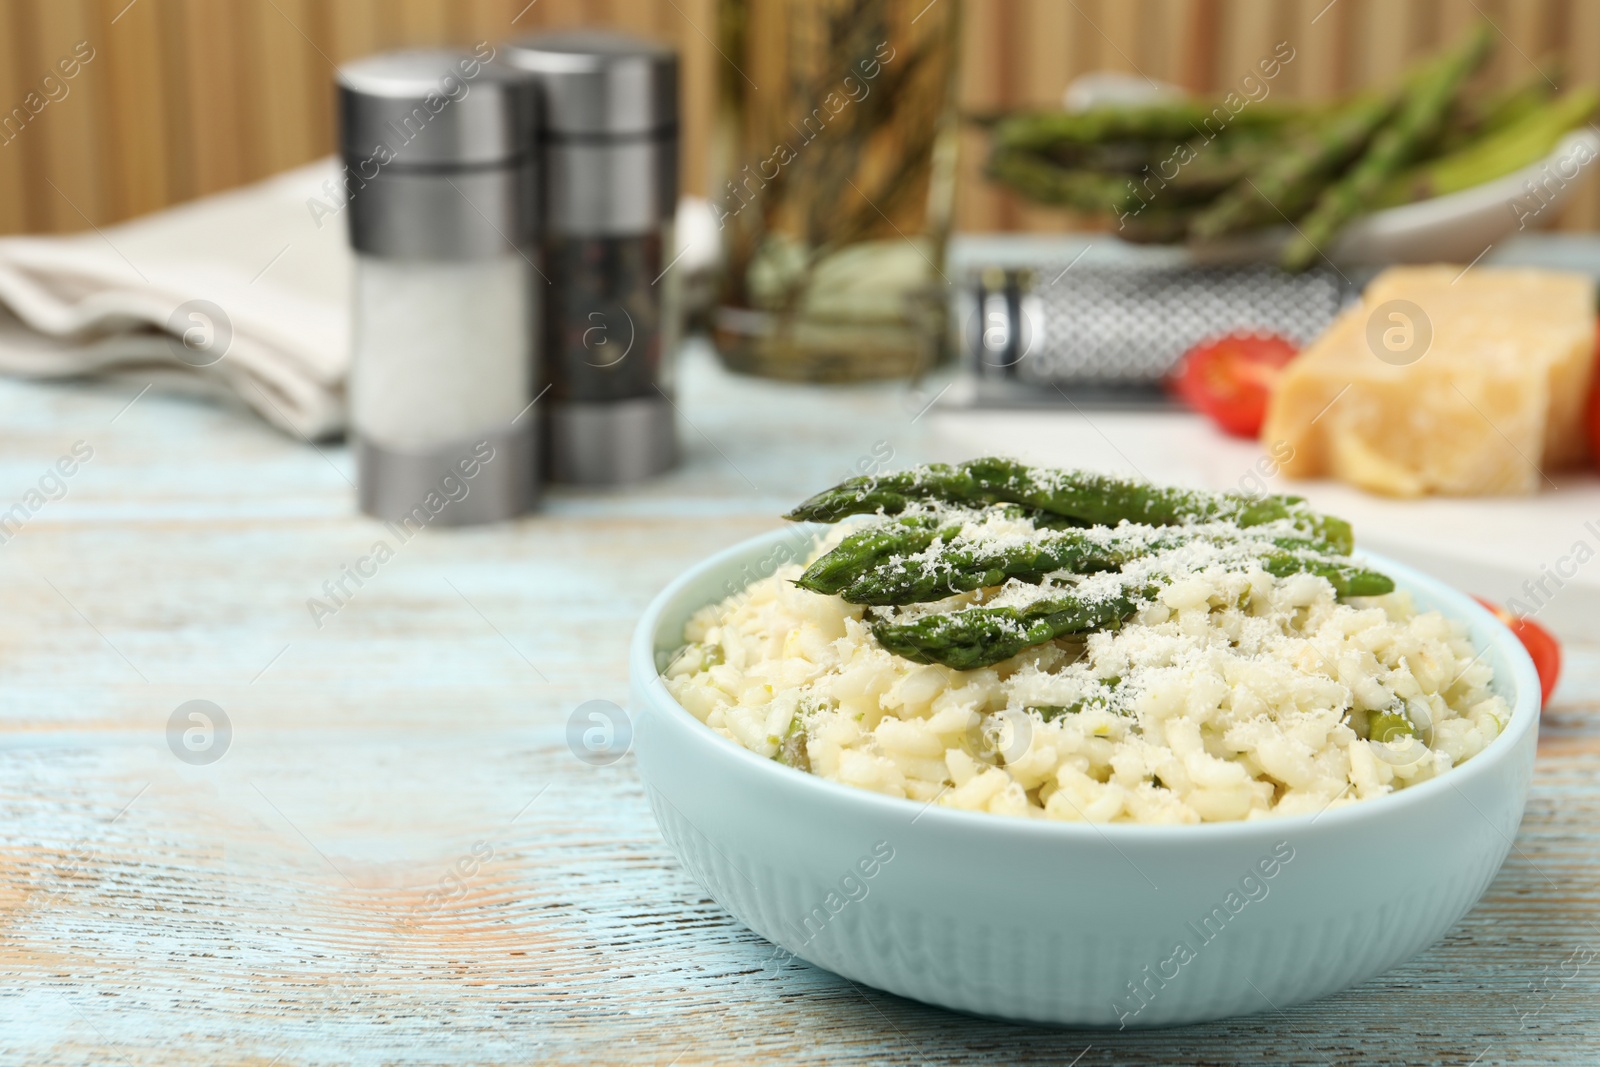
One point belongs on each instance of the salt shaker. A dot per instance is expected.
(608, 134)
(441, 189)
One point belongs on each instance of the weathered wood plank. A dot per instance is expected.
(274, 907)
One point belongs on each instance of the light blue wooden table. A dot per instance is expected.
(399, 859)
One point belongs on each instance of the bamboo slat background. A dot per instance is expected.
(187, 97)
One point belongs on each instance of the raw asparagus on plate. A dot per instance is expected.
(1193, 170)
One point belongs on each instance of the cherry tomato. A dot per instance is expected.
(1231, 378)
(1543, 648)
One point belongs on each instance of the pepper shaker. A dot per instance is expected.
(441, 189)
(608, 142)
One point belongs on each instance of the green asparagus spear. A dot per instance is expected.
(1347, 579)
(1131, 181)
(1170, 121)
(1212, 165)
(1044, 182)
(909, 534)
(1416, 122)
(1510, 148)
(975, 637)
(888, 493)
(978, 637)
(964, 566)
(1289, 183)
(1471, 119)
(1094, 498)
(839, 567)
(1112, 157)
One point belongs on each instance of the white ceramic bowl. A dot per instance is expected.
(1066, 923)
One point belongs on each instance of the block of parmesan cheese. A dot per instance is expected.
(1492, 400)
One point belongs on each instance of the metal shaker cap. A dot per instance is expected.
(435, 108)
(438, 153)
(600, 83)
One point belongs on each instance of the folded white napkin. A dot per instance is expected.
(258, 274)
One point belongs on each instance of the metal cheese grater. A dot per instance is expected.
(1108, 332)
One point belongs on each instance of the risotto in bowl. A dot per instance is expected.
(1082, 772)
